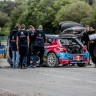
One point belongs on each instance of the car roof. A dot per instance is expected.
(76, 28)
(67, 36)
(59, 37)
(52, 36)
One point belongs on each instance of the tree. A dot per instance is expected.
(50, 13)
(16, 15)
(3, 19)
(7, 7)
(44, 11)
(74, 12)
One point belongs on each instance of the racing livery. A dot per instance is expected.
(65, 50)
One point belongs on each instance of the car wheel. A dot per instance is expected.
(81, 64)
(52, 60)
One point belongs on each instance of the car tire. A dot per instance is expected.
(52, 60)
(81, 64)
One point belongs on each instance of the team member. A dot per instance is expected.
(90, 44)
(88, 32)
(39, 39)
(31, 44)
(22, 45)
(15, 53)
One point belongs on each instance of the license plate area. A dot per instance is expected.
(77, 58)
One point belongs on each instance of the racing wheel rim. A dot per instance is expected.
(51, 60)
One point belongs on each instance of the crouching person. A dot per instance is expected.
(22, 45)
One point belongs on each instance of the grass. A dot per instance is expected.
(5, 31)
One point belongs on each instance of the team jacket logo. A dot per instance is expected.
(22, 33)
(40, 35)
(12, 37)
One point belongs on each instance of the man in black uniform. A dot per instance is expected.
(39, 40)
(22, 46)
(15, 53)
(90, 44)
(31, 44)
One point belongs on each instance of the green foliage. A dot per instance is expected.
(49, 13)
(74, 12)
(3, 19)
(18, 15)
(5, 31)
(94, 15)
(6, 8)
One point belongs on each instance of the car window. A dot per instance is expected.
(68, 41)
(64, 42)
(48, 40)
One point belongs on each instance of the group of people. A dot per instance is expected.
(23, 42)
(28, 42)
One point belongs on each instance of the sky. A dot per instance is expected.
(10, 0)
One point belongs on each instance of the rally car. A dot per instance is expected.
(65, 50)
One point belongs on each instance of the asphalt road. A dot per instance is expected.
(61, 81)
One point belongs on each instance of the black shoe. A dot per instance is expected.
(40, 65)
(34, 66)
(24, 67)
(20, 67)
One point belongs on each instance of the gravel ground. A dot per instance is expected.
(61, 81)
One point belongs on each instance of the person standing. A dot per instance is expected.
(15, 52)
(85, 36)
(22, 42)
(39, 40)
(31, 32)
(90, 44)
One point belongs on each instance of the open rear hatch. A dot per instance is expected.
(72, 45)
